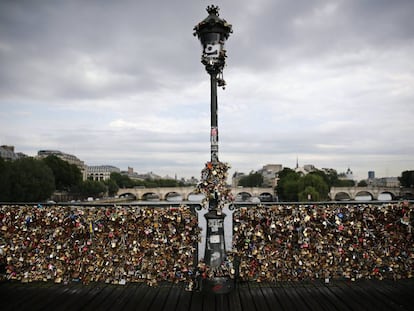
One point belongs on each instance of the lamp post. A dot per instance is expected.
(212, 33)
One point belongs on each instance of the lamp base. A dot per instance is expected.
(218, 285)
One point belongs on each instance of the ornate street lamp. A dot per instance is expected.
(212, 33)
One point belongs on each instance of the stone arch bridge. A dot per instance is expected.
(350, 193)
(163, 193)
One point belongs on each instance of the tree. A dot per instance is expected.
(407, 179)
(314, 182)
(29, 180)
(309, 194)
(122, 181)
(5, 171)
(290, 190)
(92, 188)
(345, 183)
(66, 175)
(294, 187)
(112, 187)
(287, 186)
(362, 183)
(251, 180)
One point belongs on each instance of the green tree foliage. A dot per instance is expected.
(362, 183)
(313, 182)
(251, 180)
(407, 179)
(26, 180)
(309, 194)
(112, 187)
(168, 183)
(287, 187)
(345, 183)
(92, 188)
(5, 171)
(66, 175)
(124, 181)
(294, 187)
(331, 178)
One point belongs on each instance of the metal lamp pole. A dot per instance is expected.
(212, 33)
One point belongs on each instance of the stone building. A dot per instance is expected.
(101, 172)
(70, 158)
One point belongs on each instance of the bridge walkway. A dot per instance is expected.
(311, 295)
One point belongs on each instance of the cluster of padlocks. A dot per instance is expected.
(120, 244)
(330, 241)
(213, 183)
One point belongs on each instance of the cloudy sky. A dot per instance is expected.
(330, 83)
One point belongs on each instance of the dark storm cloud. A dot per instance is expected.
(49, 48)
(284, 31)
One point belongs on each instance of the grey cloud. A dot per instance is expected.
(51, 42)
(312, 77)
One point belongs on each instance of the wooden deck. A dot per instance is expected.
(337, 295)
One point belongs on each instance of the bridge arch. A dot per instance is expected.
(190, 193)
(266, 197)
(195, 197)
(393, 196)
(374, 192)
(173, 196)
(243, 196)
(342, 196)
(150, 196)
(407, 194)
(128, 195)
(364, 193)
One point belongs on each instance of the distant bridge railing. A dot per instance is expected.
(351, 193)
(186, 193)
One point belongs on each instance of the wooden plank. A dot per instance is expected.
(162, 299)
(44, 293)
(375, 295)
(120, 297)
(246, 298)
(257, 297)
(184, 302)
(361, 296)
(58, 297)
(334, 301)
(223, 303)
(283, 297)
(311, 297)
(15, 296)
(208, 302)
(138, 291)
(95, 301)
(173, 298)
(148, 299)
(397, 296)
(404, 288)
(234, 301)
(301, 297)
(295, 299)
(348, 303)
(71, 294)
(270, 297)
